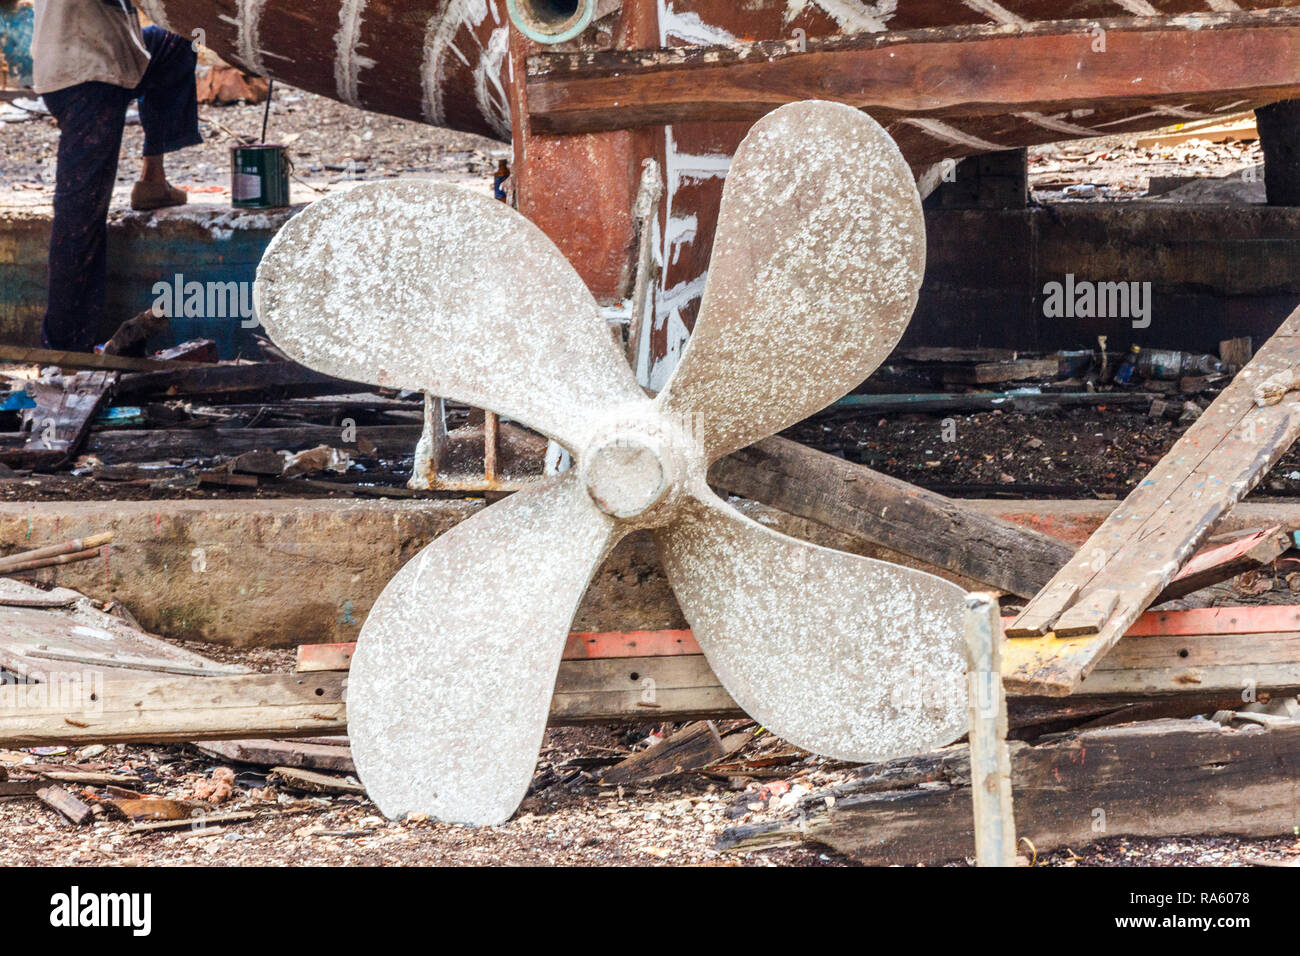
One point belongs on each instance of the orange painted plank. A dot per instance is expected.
(612, 644)
(585, 645)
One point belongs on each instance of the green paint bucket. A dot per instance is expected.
(259, 176)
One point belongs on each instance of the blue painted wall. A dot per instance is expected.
(16, 44)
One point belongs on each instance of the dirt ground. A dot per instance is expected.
(573, 821)
(1099, 452)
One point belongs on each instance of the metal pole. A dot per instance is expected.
(990, 762)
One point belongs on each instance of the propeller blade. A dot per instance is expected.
(842, 655)
(455, 666)
(428, 286)
(818, 258)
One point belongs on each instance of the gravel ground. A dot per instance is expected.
(673, 823)
(329, 143)
(573, 825)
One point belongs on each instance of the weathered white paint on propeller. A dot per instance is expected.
(456, 663)
(817, 262)
(839, 654)
(429, 286)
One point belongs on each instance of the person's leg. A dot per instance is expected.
(169, 106)
(91, 117)
(169, 112)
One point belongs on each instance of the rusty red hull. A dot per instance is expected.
(458, 63)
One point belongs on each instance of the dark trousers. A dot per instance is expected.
(91, 117)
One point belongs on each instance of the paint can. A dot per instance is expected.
(259, 176)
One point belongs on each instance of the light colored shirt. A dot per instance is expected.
(85, 41)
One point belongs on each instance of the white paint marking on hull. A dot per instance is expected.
(854, 16)
(690, 28)
(1181, 112)
(348, 61)
(930, 178)
(493, 102)
(995, 12)
(248, 40)
(1057, 124)
(681, 230)
(1223, 6)
(1139, 8)
(439, 38)
(950, 134)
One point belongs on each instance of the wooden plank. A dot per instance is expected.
(58, 799)
(693, 746)
(581, 645)
(325, 657)
(1139, 548)
(87, 360)
(1214, 130)
(1218, 620)
(204, 821)
(985, 401)
(987, 373)
(295, 778)
(643, 688)
(1153, 779)
(306, 754)
(949, 354)
(25, 787)
(1198, 667)
(85, 644)
(855, 500)
(592, 644)
(986, 713)
(889, 73)
(1213, 565)
(65, 407)
(280, 378)
(176, 709)
(681, 687)
(134, 445)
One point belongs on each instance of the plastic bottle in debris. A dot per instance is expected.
(1124, 374)
(499, 180)
(1170, 364)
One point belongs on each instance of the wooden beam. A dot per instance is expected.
(1212, 565)
(941, 532)
(986, 70)
(173, 709)
(1158, 778)
(119, 446)
(1201, 669)
(217, 381)
(1136, 552)
(1182, 675)
(88, 360)
(891, 513)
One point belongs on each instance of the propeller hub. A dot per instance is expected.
(627, 475)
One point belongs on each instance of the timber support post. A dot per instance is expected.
(990, 761)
